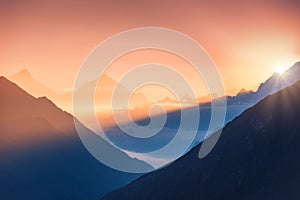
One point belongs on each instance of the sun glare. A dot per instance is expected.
(280, 70)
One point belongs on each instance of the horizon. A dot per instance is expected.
(279, 70)
(139, 106)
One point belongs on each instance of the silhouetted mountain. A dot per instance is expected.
(41, 155)
(275, 83)
(256, 157)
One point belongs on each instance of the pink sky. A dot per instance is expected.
(248, 40)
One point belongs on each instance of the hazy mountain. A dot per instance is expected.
(28, 83)
(206, 99)
(243, 92)
(103, 95)
(256, 157)
(25, 80)
(41, 155)
(235, 106)
(105, 89)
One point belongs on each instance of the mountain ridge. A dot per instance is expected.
(41, 155)
(235, 106)
(255, 158)
(26, 80)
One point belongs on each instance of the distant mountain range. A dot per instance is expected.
(235, 106)
(103, 96)
(256, 157)
(25, 80)
(28, 83)
(41, 155)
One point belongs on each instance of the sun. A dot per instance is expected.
(280, 70)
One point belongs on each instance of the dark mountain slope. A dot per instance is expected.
(41, 155)
(256, 157)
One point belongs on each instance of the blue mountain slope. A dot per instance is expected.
(41, 155)
(235, 106)
(256, 157)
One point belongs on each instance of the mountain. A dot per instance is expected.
(103, 95)
(275, 83)
(25, 80)
(41, 155)
(105, 89)
(244, 92)
(206, 99)
(280, 81)
(256, 157)
(236, 105)
(28, 83)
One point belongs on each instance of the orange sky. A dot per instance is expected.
(248, 40)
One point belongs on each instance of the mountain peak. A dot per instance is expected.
(24, 74)
(2, 78)
(25, 80)
(243, 91)
(295, 68)
(11, 91)
(297, 64)
(166, 100)
(277, 81)
(5, 81)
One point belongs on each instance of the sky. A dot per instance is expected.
(248, 40)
